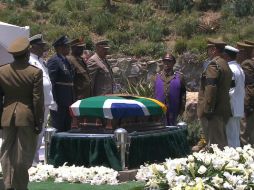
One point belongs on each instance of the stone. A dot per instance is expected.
(127, 175)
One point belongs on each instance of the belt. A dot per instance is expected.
(65, 83)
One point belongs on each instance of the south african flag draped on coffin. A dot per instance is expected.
(112, 107)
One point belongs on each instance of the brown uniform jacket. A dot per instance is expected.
(213, 98)
(21, 95)
(82, 81)
(248, 68)
(101, 76)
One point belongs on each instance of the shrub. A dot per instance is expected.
(102, 22)
(19, 2)
(118, 37)
(177, 6)
(180, 46)
(197, 44)
(243, 7)
(187, 27)
(73, 5)
(154, 30)
(143, 11)
(42, 5)
(204, 5)
(61, 18)
(144, 48)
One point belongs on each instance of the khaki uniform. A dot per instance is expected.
(214, 102)
(22, 109)
(101, 76)
(82, 81)
(248, 68)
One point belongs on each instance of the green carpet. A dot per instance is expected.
(66, 186)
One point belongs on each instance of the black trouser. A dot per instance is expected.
(61, 119)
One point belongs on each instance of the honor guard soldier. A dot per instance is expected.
(236, 93)
(213, 100)
(61, 75)
(247, 63)
(100, 71)
(22, 113)
(37, 48)
(82, 81)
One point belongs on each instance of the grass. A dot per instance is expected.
(49, 185)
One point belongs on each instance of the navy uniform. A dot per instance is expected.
(22, 112)
(213, 100)
(61, 75)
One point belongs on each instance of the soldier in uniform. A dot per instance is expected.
(213, 100)
(22, 113)
(82, 81)
(237, 94)
(100, 71)
(169, 88)
(61, 75)
(38, 47)
(247, 64)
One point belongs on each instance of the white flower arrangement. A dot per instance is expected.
(215, 169)
(73, 174)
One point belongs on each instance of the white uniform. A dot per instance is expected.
(237, 105)
(48, 97)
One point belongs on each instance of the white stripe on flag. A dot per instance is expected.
(75, 108)
(107, 106)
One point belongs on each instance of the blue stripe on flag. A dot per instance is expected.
(120, 110)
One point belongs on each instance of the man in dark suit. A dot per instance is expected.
(22, 112)
(61, 75)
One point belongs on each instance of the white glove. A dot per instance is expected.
(53, 106)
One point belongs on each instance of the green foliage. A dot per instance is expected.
(143, 11)
(140, 89)
(197, 44)
(177, 6)
(145, 48)
(243, 7)
(204, 5)
(238, 8)
(73, 5)
(180, 46)
(194, 130)
(42, 5)
(18, 2)
(102, 22)
(118, 38)
(61, 17)
(187, 27)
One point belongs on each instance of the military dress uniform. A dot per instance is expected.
(81, 80)
(101, 75)
(248, 68)
(213, 100)
(22, 112)
(61, 75)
